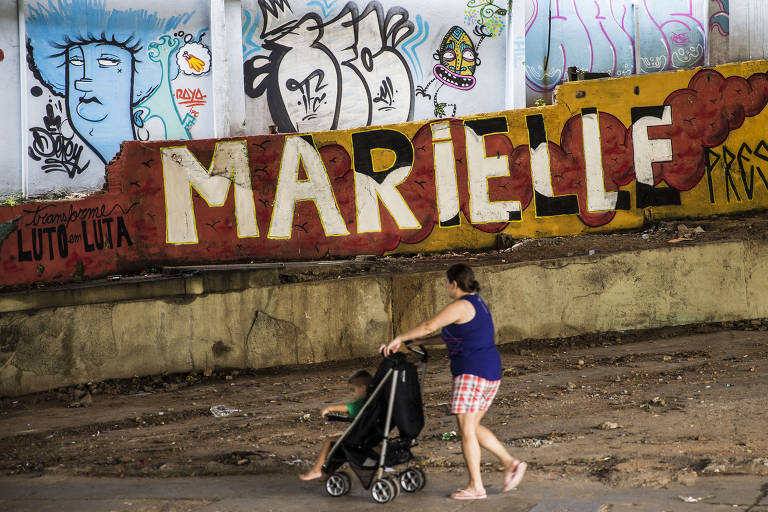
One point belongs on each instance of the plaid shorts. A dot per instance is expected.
(472, 393)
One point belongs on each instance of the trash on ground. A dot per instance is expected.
(221, 411)
(691, 499)
(447, 436)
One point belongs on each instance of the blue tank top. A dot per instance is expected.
(471, 346)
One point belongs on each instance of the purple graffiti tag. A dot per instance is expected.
(589, 36)
(680, 39)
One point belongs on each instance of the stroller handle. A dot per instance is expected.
(420, 351)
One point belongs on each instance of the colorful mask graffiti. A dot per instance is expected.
(457, 61)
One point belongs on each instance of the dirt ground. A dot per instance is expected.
(626, 409)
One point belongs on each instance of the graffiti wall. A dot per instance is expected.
(688, 143)
(10, 142)
(719, 31)
(101, 72)
(326, 64)
(329, 64)
(599, 36)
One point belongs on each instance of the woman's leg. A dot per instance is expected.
(512, 473)
(489, 441)
(513, 468)
(470, 446)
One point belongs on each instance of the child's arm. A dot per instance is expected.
(342, 408)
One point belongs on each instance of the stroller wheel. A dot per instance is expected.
(412, 480)
(338, 484)
(395, 485)
(382, 491)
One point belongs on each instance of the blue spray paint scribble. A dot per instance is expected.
(324, 5)
(200, 34)
(251, 23)
(409, 47)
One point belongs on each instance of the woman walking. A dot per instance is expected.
(468, 333)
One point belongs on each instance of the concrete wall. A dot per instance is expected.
(10, 106)
(624, 291)
(247, 322)
(720, 32)
(747, 24)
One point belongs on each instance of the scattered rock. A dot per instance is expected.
(714, 467)
(504, 241)
(687, 478)
(215, 467)
(533, 442)
(655, 402)
(610, 425)
(81, 398)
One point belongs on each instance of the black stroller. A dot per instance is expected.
(393, 400)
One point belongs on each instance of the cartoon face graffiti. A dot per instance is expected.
(109, 67)
(98, 93)
(458, 60)
(340, 73)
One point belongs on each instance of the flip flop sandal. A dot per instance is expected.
(512, 480)
(463, 494)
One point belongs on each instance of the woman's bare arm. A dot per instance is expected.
(429, 341)
(454, 312)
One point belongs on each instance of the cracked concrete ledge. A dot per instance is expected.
(136, 288)
(249, 321)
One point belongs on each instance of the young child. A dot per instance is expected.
(358, 385)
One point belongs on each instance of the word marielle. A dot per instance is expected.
(372, 188)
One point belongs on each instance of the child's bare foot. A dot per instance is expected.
(311, 475)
